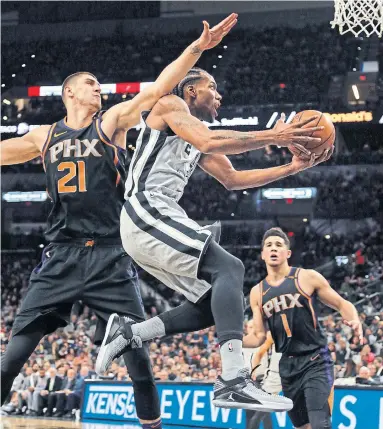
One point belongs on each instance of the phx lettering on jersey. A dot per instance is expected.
(76, 148)
(278, 304)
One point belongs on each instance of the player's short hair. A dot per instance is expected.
(71, 77)
(272, 232)
(194, 75)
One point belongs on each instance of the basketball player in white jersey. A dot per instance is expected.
(265, 363)
(159, 236)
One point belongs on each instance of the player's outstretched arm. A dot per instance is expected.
(220, 167)
(127, 114)
(176, 114)
(332, 299)
(22, 149)
(258, 336)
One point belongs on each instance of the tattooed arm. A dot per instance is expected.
(126, 115)
(173, 112)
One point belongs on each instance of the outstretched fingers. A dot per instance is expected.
(305, 121)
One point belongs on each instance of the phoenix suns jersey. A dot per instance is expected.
(292, 316)
(85, 175)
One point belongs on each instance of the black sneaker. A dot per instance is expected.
(244, 393)
(117, 340)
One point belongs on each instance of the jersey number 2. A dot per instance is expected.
(75, 170)
(286, 325)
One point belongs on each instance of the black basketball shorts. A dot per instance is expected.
(101, 275)
(308, 380)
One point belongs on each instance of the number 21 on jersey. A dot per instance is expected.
(74, 170)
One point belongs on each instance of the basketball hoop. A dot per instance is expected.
(360, 17)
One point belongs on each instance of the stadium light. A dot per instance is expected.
(219, 56)
(225, 47)
(354, 69)
(214, 67)
(5, 118)
(33, 56)
(7, 102)
(327, 236)
(22, 65)
(13, 75)
(232, 215)
(245, 192)
(305, 219)
(41, 246)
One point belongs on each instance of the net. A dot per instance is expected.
(360, 17)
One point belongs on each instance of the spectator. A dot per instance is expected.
(364, 377)
(350, 369)
(54, 384)
(74, 397)
(59, 398)
(34, 397)
(27, 389)
(11, 406)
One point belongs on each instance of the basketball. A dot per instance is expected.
(327, 134)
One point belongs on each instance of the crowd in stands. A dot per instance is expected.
(209, 200)
(279, 66)
(268, 66)
(52, 380)
(122, 58)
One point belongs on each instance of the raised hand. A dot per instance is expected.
(211, 37)
(294, 135)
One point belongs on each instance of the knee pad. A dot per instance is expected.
(230, 264)
(238, 266)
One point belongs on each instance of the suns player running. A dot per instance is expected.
(84, 160)
(286, 301)
(161, 238)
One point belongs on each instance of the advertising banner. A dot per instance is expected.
(190, 404)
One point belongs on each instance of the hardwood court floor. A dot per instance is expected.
(35, 423)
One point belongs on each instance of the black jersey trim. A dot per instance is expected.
(191, 233)
(46, 144)
(144, 142)
(151, 160)
(159, 235)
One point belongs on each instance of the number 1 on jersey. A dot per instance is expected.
(286, 325)
(74, 171)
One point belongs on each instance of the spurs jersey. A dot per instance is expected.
(85, 176)
(162, 163)
(292, 316)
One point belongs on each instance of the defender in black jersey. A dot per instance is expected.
(286, 301)
(84, 161)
